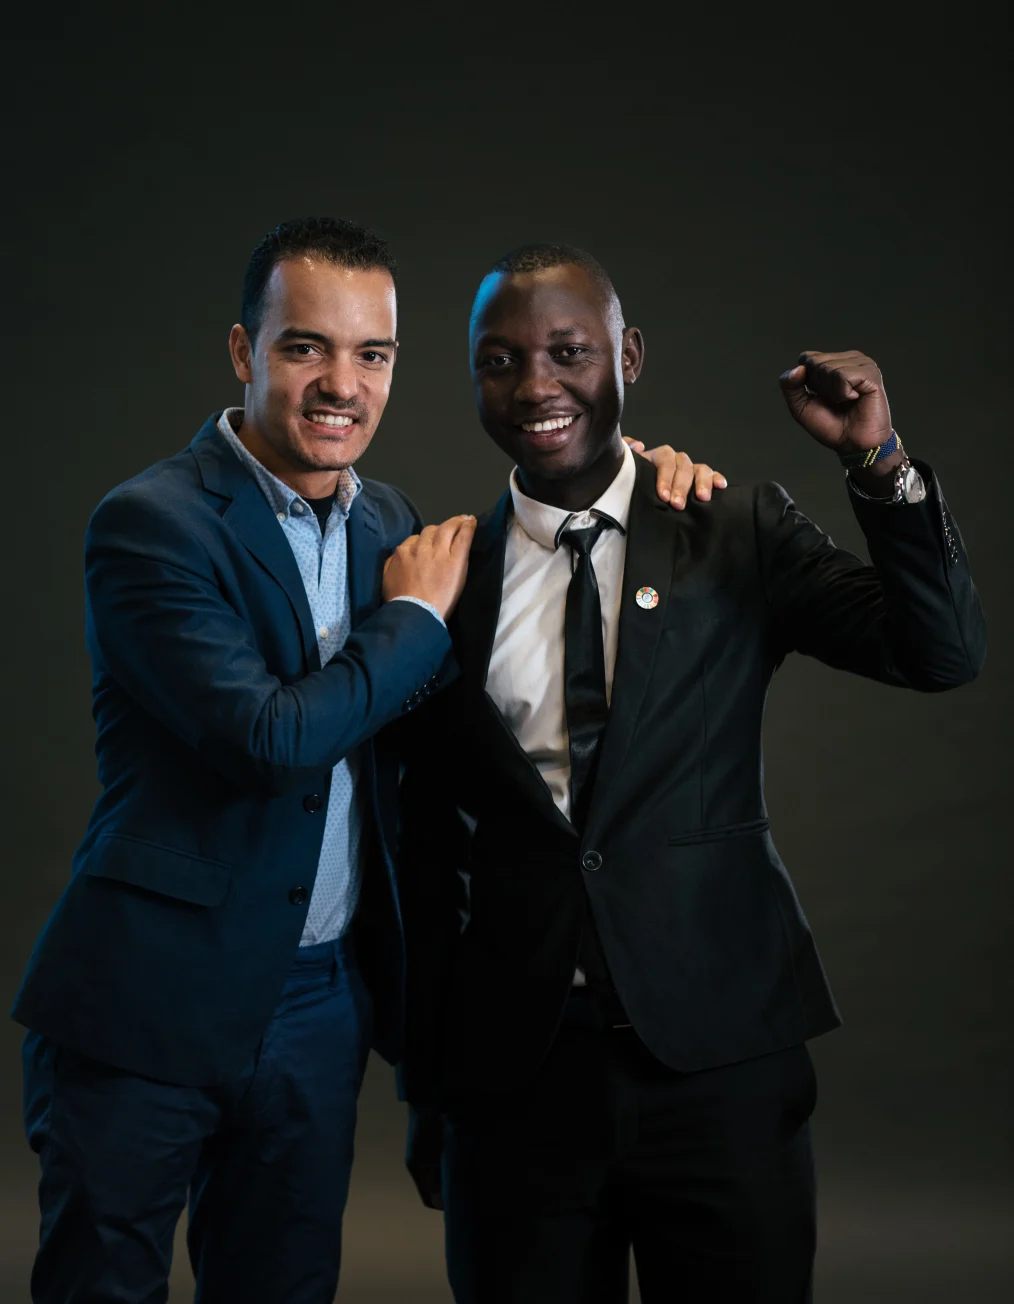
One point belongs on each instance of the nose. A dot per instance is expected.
(536, 382)
(340, 379)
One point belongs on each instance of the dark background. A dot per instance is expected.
(822, 181)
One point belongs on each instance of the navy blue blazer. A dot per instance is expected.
(217, 732)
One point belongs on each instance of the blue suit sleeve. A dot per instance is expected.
(162, 623)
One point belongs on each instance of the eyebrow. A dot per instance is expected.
(562, 333)
(297, 333)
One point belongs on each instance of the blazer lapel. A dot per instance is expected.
(475, 618)
(364, 544)
(250, 517)
(474, 630)
(655, 539)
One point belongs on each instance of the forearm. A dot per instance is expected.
(181, 652)
(282, 736)
(911, 618)
(933, 619)
(180, 639)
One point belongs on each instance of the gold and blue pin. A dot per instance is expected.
(646, 598)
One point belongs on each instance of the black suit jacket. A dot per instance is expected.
(706, 941)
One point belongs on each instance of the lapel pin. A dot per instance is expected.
(646, 598)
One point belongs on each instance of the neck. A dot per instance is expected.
(577, 492)
(306, 483)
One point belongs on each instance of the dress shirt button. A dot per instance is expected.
(298, 507)
(323, 631)
(312, 803)
(281, 516)
(298, 895)
(591, 860)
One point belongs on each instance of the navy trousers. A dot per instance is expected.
(265, 1161)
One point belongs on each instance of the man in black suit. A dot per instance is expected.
(622, 996)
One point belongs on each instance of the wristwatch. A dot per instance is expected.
(909, 486)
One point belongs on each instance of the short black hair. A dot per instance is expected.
(336, 240)
(542, 256)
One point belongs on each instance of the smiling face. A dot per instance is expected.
(318, 373)
(550, 360)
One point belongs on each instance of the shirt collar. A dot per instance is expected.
(544, 523)
(279, 495)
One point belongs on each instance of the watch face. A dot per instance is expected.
(912, 486)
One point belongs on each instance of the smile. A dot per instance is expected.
(329, 419)
(542, 427)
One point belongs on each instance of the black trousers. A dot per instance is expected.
(707, 1176)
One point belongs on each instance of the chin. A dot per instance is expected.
(550, 468)
(554, 464)
(333, 458)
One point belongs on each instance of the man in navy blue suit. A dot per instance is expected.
(203, 997)
(200, 1009)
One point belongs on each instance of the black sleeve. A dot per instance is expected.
(911, 618)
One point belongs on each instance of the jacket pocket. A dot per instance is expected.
(171, 873)
(717, 834)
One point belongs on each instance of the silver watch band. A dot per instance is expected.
(888, 500)
(909, 487)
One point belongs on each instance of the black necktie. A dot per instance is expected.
(584, 669)
(584, 696)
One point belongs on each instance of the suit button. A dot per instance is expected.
(312, 803)
(591, 860)
(298, 895)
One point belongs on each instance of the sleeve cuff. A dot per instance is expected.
(421, 602)
(880, 499)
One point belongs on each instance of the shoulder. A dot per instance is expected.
(743, 505)
(166, 484)
(394, 510)
(761, 519)
(738, 507)
(740, 524)
(163, 503)
(493, 524)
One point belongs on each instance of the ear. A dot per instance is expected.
(241, 352)
(632, 354)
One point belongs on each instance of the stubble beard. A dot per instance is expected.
(306, 460)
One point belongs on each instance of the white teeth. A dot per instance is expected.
(328, 419)
(541, 427)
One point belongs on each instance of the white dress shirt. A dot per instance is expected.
(525, 677)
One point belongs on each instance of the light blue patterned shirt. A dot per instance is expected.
(323, 564)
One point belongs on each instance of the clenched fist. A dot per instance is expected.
(839, 399)
(432, 565)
